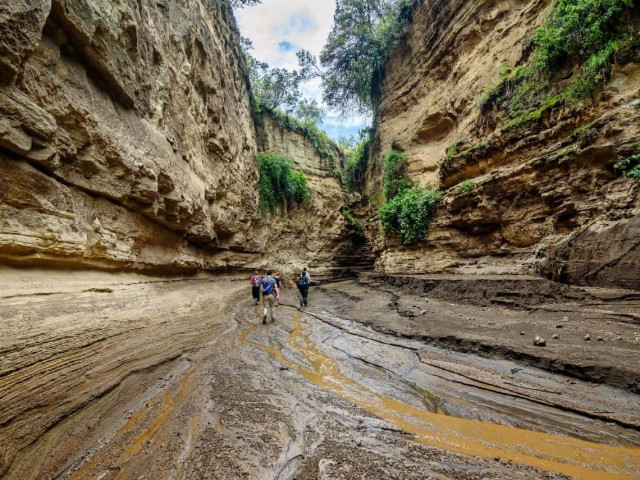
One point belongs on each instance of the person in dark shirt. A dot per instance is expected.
(303, 288)
(278, 280)
(269, 291)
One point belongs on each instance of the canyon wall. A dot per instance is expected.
(126, 136)
(314, 235)
(127, 141)
(541, 199)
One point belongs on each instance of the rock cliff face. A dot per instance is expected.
(314, 235)
(126, 136)
(542, 199)
(127, 141)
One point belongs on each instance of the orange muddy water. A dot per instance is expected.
(578, 458)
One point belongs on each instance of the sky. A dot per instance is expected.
(279, 28)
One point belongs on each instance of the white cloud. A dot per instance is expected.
(302, 24)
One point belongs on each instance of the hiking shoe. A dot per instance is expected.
(264, 320)
(273, 320)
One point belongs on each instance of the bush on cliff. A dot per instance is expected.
(281, 185)
(394, 178)
(630, 166)
(408, 209)
(409, 214)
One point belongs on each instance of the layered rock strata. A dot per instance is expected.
(315, 235)
(541, 198)
(126, 136)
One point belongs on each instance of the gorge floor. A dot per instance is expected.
(130, 377)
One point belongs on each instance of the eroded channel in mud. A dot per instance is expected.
(429, 426)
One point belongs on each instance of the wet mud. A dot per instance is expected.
(316, 394)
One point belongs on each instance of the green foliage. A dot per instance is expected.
(454, 149)
(354, 222)
(309, 113)
(563, 154)
(281, 185)
(583, 35)
(585, 135)
(408, 210)
(409, 214)
(274, 90)
(510, 79)
(394, 179)
(630, 166)
(363, 32)
(355, 166)
(464, 188)
(579, 29)
(533, 115)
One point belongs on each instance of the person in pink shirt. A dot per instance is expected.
(256, 281)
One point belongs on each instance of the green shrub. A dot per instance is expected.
(630, 166)
(579, 30)
(533, 115)
(281, 185)
(409, 214)
(464, 188)
(394, 179)
(354, 222)
(563, 154)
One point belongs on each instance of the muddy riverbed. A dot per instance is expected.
(123, 376)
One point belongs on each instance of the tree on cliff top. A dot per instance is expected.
(364, 31)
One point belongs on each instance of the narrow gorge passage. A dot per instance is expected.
(314, 395)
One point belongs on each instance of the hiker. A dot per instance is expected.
(303, 287)
(278, 280)
(256, 281)
(269, 291)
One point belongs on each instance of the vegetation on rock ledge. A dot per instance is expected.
(281, 185)
(583, 36)
(630, 166)
(408, 209)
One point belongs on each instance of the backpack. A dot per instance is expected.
(303, 281)
(267, 286)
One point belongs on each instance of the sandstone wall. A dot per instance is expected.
(314, 235)
(543, 201)
(126, 136)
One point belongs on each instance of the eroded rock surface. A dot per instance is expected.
(122, 122)
(544, 200)
(314, 235)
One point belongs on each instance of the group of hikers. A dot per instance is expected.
(269, 287)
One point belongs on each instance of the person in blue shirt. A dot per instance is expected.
(269, 291)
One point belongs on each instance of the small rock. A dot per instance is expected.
(539, 342)
(587, 337)
(555, 336)
(423, 312)
(565, 319)
(523, 333)
(559, 326)
(600, 339)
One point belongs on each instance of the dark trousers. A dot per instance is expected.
(256, 293)
(304, 293)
